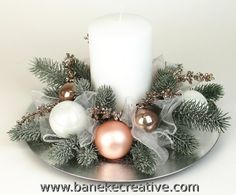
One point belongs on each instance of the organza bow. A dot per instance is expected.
(157, 139)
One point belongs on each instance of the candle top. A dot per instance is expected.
(121, 22)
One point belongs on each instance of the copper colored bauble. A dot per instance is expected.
(113, 139)
(146, 119)
(67, 92)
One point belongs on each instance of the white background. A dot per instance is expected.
(198, 33)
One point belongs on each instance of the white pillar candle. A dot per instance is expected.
(121, 55)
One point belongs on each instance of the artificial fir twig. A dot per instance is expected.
(200, 116)
(56, 74)
(67, 149)
(183, 142)
(82, 85)
(63, 151)
(28, 132)
(51, 91)
(49, 72)
(87, 156)
(105, 105)
(164, 80)
(143, 158)
(82, 70)
(211, 91)
(105, 97)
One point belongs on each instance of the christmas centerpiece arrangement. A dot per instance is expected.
(122, 106)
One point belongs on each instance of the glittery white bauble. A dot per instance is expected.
(68, 118)
(192, 95)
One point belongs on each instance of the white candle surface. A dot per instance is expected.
(120, 48)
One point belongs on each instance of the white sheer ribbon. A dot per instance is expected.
(157, 139)
(87, 100)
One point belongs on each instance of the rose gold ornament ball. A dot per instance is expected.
(113, 139)
(67, 92)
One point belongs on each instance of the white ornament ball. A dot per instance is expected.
(68, 118)
(192, 95)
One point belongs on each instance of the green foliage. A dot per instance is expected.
(67, 149)
(28, 132)
(63, 151)
(183, 142)
(105, 97)
(87, 156)
(51, 91)
(143, 158)
(211, 91)
(81, 86)
(82, 70)
(200, 116)
(54, 75)
(48, 71)
(164, 79)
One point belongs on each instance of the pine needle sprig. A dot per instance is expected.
(63, 151)
(87, 156)
(105, 97)
(82, 85)
(183, 142)
(49, 71)
(82, 70)
(143, 158)
(164, 80)
(201, 116)
(211, 91)
(51, 91)
(28, 132)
